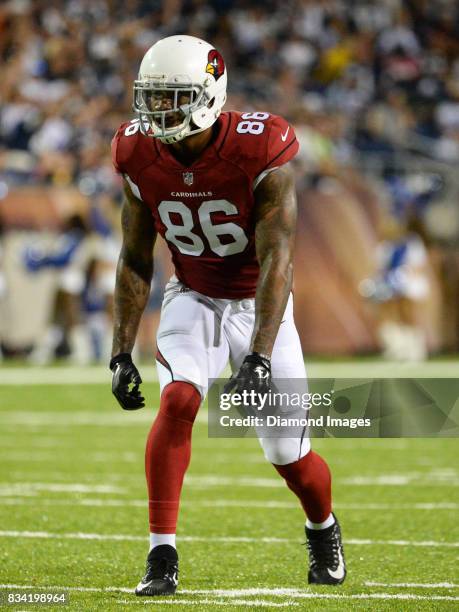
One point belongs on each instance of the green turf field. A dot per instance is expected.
(74, 516)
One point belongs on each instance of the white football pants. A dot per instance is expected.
(197, 335)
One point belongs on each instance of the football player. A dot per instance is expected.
(217, 186)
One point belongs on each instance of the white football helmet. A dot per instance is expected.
(181, 88)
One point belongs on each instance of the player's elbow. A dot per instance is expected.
(140, 266)
(288, 272)
(277, 262)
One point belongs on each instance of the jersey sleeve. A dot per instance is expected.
(114, 147)
(282, 143)
(124, 148)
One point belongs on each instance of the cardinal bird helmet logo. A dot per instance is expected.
(215, 64)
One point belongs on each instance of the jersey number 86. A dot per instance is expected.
(189, 243)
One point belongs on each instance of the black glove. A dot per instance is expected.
(125, 374)
(254, 373)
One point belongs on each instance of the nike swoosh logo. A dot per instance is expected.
(284, 136)
(338, 573)
(143, 585)
(173, 579)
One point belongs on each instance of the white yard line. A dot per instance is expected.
(434, 478)
(50, 456)
(413, 585)
(427, 543)
(234, 503)
(65, 375)
(402, 596)
(257, 592)
(214, 480)
(38, 418)
(69, 536)
(415, 506)
(103, 503)
(28, 488)
(128, 537)
(206, 481)
(438, 476)
(21, 499)
(224, 539)
(68, 588)
(82, 418)
(259, 603)
(234, 593)
(383, 369)
(98, 374)
(251, 602)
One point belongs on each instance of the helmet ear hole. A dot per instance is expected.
(211, 103)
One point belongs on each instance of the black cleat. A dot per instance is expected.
(161, 576)
(326, 555)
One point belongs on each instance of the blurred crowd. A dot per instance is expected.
(387, 70)
(358, 78)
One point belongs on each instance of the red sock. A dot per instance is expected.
(310, 480)
(168, 453)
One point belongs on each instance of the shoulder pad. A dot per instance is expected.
(130, 148)
(258, 141)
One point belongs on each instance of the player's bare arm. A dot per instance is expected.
(275, 218)
(275, 210)
(133, 281)
(134, 271)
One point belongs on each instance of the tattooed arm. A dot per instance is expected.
(275, 215)
(275, 218)
(134, 271)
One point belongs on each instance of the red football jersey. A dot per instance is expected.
(205, 211)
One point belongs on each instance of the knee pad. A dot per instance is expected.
(180, 400)
(282, 451)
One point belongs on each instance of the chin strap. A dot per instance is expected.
(181, 136)
(176, 137)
